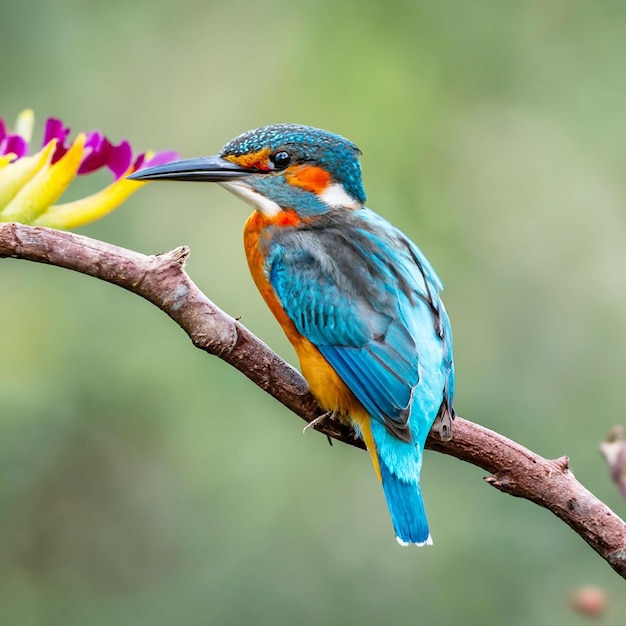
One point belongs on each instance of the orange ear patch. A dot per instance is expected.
(254, 160)
(308, 177)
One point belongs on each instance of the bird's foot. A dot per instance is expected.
(318, 420)
(443, 424)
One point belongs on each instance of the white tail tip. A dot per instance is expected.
(428, 542)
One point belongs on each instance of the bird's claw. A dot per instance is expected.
(318, 420)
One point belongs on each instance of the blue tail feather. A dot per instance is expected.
(404, 500)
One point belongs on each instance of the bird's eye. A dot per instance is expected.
(280, 159)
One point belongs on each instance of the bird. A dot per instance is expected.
(357, 299)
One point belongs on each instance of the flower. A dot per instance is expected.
(31, 185)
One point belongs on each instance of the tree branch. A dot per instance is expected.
(163, 281)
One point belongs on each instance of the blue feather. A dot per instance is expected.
(366, 296)
(380, 388)
(406, 507)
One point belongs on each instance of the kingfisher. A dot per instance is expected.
(357, 299)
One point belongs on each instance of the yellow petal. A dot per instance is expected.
(91, 208)
(5, 159)
(46, 187)
(15, 175)
(24, 124)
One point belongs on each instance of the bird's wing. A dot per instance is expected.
(359, 293)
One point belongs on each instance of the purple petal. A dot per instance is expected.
(120, 159)
(55, 129)
(14, 143)
(103, 153)
(160, 158)
(94, 140)
(11, 143)
(96, 152)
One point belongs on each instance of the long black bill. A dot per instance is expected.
(203, 169)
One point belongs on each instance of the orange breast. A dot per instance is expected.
(330, 391)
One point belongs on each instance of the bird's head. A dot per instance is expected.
(279, 167)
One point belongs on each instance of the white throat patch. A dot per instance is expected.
(252, 197)
(334, 196)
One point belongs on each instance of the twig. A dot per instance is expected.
(613, 449)
(163, 281)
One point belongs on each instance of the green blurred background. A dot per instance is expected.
(143, 482)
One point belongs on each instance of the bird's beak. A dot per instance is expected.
(202, 169)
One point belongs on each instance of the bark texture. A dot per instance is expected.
(162, 280)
